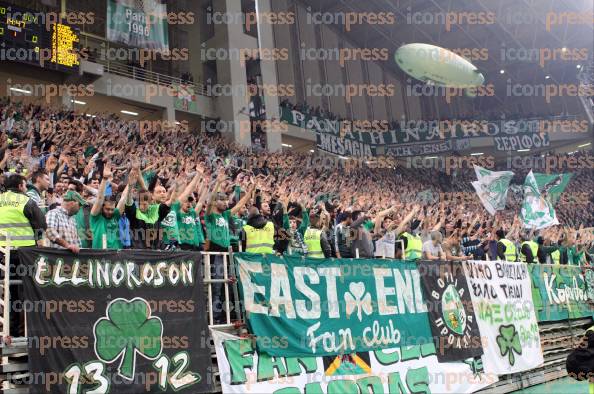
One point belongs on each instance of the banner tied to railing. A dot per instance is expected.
(346, 315)
(116, 322)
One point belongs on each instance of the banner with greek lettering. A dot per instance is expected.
(451, 316)
(304, 307)
(413, 369)
(560, 292)
(116, 322)
(502, 299)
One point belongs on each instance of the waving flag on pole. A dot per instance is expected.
(492, 188)
(551, 186)
(538, 211)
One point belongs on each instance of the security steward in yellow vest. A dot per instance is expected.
(258, 234)
(21, 224)
(506, 249)
(315, 239)
(528, 251)
(413, 244)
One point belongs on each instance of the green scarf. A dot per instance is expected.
(151, 216)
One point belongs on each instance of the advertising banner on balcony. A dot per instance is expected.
(328, 307)
(502, 302)
(408, 369)
(561, 292)
(138, 23)
(116, 322)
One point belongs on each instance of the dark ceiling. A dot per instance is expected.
(528, 31)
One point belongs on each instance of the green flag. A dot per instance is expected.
(551, 186)
(537, 211)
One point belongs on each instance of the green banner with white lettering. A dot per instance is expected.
(560, 292)
(311, 307)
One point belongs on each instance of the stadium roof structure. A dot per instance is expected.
(520, 24)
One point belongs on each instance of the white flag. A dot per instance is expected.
(537, 211)
(492, 188)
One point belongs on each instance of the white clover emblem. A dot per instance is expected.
(358, 299)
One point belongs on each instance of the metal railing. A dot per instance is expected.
(141, 74)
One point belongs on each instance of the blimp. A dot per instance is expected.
(439, 66)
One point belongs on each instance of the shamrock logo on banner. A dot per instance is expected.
(508, 341)
(127, 330)
(356, 298)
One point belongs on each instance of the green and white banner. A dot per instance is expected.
(551, 186)
(491, 188)
(140, 24)
(537, 211)
(412, 369)
(502, 300)
(310, 307)
(561, 292)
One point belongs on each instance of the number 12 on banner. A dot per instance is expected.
(94, 374)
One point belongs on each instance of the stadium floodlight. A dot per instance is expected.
(578, 66)
(79, 102)
(129, 112)
(287, 145)
(547, 77)
(584, 145)
(502, 71)
(21, 90)
(477, 154)
(523, 150)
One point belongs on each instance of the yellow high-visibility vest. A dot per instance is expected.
(510, 250)
(13, 221)
(533, 247)
(313, 241)
(414, 246)
(259, 240)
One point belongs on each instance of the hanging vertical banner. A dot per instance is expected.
(453, 324)
(411, 369)
(138, 23)
(502, 299)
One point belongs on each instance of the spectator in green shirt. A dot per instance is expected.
(188, 221)
(171, 229)
(105, 216)
(219, 238)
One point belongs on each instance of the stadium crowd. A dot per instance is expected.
(103, 182)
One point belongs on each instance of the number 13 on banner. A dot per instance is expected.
(94, 374)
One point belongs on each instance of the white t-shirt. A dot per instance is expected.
(428, 247)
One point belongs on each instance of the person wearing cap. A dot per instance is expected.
(259, 233)
(61, 226)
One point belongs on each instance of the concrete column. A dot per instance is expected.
(232, 99)
(169, 113)
(269, 75)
